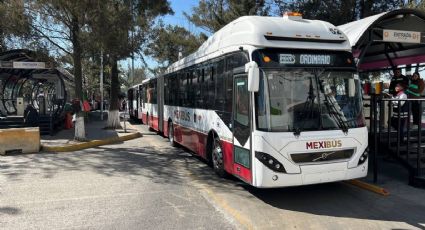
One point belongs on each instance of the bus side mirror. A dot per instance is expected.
(253, 76)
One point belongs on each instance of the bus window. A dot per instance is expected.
(220, 87)
(198, 90)
(242, 102)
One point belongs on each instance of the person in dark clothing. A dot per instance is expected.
(397, 78)
(415, 89)
(30, 116)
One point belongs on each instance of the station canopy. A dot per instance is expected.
(22, 76)
(387, 40)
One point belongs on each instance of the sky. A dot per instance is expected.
(178, 6)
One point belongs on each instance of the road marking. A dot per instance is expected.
(239, 217)
(215, 199)
(369, 187)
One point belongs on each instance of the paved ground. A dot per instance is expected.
(134, 185)
(145, 184)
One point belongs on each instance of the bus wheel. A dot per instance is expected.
(171, 134)
(217, 158)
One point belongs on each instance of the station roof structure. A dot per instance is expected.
(21, 75)
(388, 39)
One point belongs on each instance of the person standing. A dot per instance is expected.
(30, 116)
(415, 89)
(397, 78)
(400, 111)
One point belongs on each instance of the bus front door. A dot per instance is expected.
(241, 128)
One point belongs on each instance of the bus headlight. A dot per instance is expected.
(270, 162)
(363, 157)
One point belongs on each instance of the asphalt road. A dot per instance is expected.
(145, 184)
(134, 185)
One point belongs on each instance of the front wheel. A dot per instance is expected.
(171, 134)
(218, 158)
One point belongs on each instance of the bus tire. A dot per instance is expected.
(171, 134)
(217, 158)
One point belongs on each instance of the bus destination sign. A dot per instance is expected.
(275, 57)
(305, 59)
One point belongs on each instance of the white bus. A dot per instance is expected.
(274, 101)
(148, 100)
(134, 102)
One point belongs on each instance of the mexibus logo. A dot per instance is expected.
(323, 144)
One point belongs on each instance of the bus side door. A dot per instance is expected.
(241, 128)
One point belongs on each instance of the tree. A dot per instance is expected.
(14, 24)
(212, 15)
(420, 5)
(168, 41)
(61, 24)
(121, 27)
(337, 12)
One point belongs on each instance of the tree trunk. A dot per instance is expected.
(113, 116)
(80, 132)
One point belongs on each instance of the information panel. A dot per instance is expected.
(401, 36)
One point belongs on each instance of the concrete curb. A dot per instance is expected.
(90, 144)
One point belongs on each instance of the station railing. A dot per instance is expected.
(395, 138)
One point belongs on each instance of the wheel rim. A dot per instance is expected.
(217, 156)
(171, 133)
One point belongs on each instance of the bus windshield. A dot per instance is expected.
(308, 99)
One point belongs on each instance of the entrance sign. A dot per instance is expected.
(401, 36)
(29, 65)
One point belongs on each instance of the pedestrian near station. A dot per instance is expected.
(397, 78)
(400, 111)
(415, 89)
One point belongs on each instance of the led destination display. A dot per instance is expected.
(299, 58)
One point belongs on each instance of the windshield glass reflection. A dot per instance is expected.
(307, 100)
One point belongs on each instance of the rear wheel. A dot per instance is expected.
(171, 134)
(217, 158)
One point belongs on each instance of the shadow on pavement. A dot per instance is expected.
(343, 200)
(9, 211)
(164, 165)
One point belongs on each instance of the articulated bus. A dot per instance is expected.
(274, 101)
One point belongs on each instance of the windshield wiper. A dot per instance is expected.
(336, 113)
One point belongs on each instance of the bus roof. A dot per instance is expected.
(261, 32)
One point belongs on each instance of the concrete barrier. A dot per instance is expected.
(25, 140)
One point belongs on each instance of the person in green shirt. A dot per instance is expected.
(414, 90)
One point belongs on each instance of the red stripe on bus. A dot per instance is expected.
(196, 141)
(228, 156)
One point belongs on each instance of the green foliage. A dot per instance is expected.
(127, 79)
(416, 4)
(337, 12)
(168, 41)
(120, 28)
(13, 23)
(212, 15)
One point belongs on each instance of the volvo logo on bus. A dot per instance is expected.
(287, 59)
(323, 156)
(323, 144)
(312, 59)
